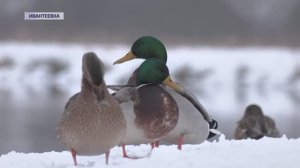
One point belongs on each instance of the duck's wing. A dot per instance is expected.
(193, 99)
(213, 124)
(270, 127)
(124, 93)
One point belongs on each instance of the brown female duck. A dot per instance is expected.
(255, 125)
(92, 122)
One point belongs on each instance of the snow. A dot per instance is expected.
(264, 153)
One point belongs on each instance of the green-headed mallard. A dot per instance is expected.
(193, 127)
(92, 122)
(144, 48)
(150, 111)
(255, 125)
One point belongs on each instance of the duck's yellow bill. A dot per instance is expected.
(168, 82)
(127, 57)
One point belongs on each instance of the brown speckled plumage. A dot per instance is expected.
(92, 122)
(254, 124)
(156, 112)
(194, 133)
(150, 113)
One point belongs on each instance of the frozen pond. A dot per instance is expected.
(37, 79)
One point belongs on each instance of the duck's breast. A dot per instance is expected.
(156, 111)
(134, 134)
(91, 128)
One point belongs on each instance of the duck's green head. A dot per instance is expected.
(145, 47)
(155, 71)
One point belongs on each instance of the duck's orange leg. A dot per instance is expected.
(74, 153)
(180, 142)
(154, 144)
(124, 151)
(157, 144)
(106, 157)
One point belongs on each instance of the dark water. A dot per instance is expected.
(29, 125)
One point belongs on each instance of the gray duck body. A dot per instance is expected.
(191, 123)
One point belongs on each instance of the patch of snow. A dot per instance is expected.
(264, 153)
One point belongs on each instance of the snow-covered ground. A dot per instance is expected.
(26, 125)
(264, 153)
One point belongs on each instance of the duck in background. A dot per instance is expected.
(92, 122)
(255, 125)
(195, 124)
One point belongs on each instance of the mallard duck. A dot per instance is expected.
(92, 122)
(255, 125)
(202, 124)
(150, 111)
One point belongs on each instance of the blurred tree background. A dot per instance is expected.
(218, 22)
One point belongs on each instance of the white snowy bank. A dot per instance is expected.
(264, 153)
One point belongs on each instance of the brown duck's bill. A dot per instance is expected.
(127, 57)
(189, 96)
